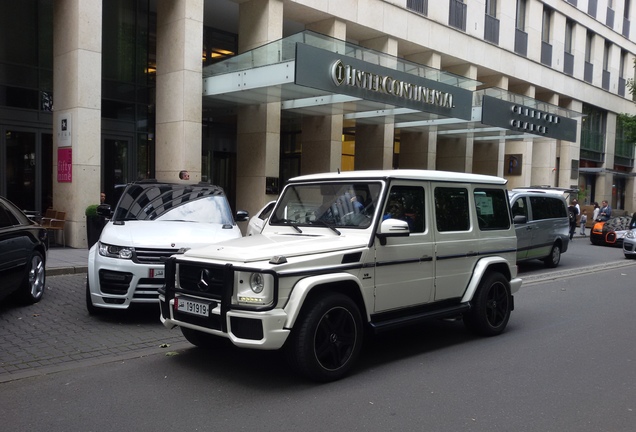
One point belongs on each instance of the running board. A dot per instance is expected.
(390, 324)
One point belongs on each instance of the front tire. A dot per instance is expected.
(32, 288)
(553, 260)
(491, 306)
(90, 307)
(327, 338)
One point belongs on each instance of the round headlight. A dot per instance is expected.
(257, 282)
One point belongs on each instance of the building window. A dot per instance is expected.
(457, 14)
(521, 37)
(589, 67)
(626, 13)
(592, 5)
(419, 6)
(491, 30)
(546, 29)
(622, 82)
(606, 61)
(568, 59)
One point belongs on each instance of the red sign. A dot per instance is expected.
(65, 165)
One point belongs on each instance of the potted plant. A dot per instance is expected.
(94, 224)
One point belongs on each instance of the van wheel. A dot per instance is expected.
(491, 306)
(553, 260)
(203, 340)
(327, 338)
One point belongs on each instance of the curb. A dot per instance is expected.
(57, 271)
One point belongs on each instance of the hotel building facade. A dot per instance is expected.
(249, 93)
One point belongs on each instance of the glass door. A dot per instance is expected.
(117, 166)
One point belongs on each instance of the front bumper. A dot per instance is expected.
(115, 283)
(245, 329)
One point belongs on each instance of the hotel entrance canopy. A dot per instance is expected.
(316, 75)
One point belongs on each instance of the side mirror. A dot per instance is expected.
(393, 228)
(519, 219)
(242, 216)
(104, 210)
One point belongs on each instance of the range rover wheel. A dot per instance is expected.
(491, 306)
(203, 340)
(90, 307)
(32, 288)
(554, 258)
(327, 338)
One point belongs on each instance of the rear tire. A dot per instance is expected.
(491, 306)
(203, 340)
(327, 338)
(34, 281)
(553, 260)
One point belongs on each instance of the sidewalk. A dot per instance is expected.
(66, 260)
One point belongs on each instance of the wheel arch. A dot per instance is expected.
(313, 286)
(484, 266)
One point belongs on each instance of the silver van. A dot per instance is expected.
(541, 222)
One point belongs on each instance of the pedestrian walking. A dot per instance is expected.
(572, 214)
(583, 221)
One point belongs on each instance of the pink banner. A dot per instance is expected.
(65, 165)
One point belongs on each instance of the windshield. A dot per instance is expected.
(174, 203)
(337, 204)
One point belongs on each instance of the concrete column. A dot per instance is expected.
(258, 127)
(524, 148)
(605, 181)
(375, 142)
(488, 156)
(179, 98)
(322, 135)
(455, 154)
(77, 83)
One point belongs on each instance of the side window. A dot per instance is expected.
(492, 209)
(407, 203)
(547, 208)
(451, 209)
(519, 208)
(6, 217)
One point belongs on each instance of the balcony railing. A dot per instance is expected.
(491, 32)
(606, 80)
(622, 86)
(568, 63)
(419, 6)
(546, 53)
(521, 42)
(588, 73)
(457, 15)
(592, 6)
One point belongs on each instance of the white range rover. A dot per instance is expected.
(347, 253)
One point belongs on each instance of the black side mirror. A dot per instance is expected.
(104, 210)
(242, 216)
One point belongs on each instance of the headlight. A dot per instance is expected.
(257, 283)
(254, 289)
(629, 235)
(112, 251)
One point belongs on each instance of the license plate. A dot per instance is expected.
(156, 273)
(192, 307)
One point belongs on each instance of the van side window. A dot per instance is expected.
(492, 209)
(451, 209)
(519, 208)
(407, 203)
(547, 208)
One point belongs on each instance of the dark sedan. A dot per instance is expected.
(23, 248)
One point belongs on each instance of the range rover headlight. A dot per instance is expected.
(112, 251)
(254, 289)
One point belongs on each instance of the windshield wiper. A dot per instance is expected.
(290, 222)
(328, 225)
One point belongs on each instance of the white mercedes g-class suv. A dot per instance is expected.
(347, 253)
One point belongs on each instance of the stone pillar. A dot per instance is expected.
(524, 148)
(605, 180)
(375, 142)
(322, 135)
(258, 127)
(77, 83)
(455, 154)
(179, 96)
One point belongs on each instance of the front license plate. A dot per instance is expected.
(156, 273)
(192, 307)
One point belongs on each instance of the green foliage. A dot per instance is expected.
(91, 210)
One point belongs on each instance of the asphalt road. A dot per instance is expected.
(565, 363)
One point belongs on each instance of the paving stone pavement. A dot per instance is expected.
(57, 333)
